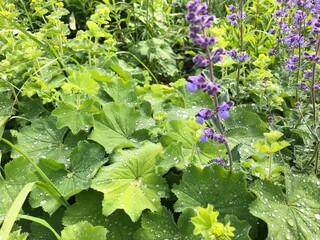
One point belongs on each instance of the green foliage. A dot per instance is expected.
(99, 138)
(131, 183)
(293, 214)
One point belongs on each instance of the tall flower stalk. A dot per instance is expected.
(200, 21)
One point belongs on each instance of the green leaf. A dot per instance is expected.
(86, 208)
(18, 173)
(115, 126)
(81, 82)
(273, 136)
(131, 183)
(15, 208)
(16, 235)
(120, 90)
(83, 231)
(183, 147)
(70, 179)
(200, 187)
(42, 139)
(294, 214)
(75, 117)
(159, 225)
(242, 228)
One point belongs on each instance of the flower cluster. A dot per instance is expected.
(233, 17)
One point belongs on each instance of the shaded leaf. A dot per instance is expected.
(200, 187)
(70, 179)
(294, 214)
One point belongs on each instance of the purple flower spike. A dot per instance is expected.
(233, 53)
(223, 109)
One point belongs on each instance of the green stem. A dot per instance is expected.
(270, 164)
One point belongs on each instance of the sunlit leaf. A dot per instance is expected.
(116, 125)
(83, 231)
(131, 184)
(75, 117)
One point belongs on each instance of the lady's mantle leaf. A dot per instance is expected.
(115, 126)
(132, 184)
(42, 139)
(200, 187)
(18, 173)
(76, 118)
(84, 231)
(85, 160)
(158, 226)
(294, 214)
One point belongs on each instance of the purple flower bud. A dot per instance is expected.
(201, 60)
(220, 161)
(211, 88)
(207, 134)
(233, 53)
(307, 73)
(272, 51)
(223, 109)
(316, 86)
(231, 7)
(243, 57)
(233, 18)
(272, 31)
(204, 114)
(303, 86)
(219, 138)
(195, 82)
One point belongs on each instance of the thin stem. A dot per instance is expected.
(241, 46)
(216, 103)
(313, 97)
(270, 164)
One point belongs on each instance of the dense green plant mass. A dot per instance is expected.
(119, 122)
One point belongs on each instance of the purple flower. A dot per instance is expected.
(298, 17)
(303, 86)
(204, 114)
(272, 51)
(201, 60)
(211, 88)
(272, 31)
(233, 53)
(292, 62)
(243, 57)
(195, 82)
(220, 161)
(233, 18)
(311, 57)
(231, 7)
(219, 138)
(307, 73)
(223, 109)
(216, 57)
(207, 134)
(316, 86)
